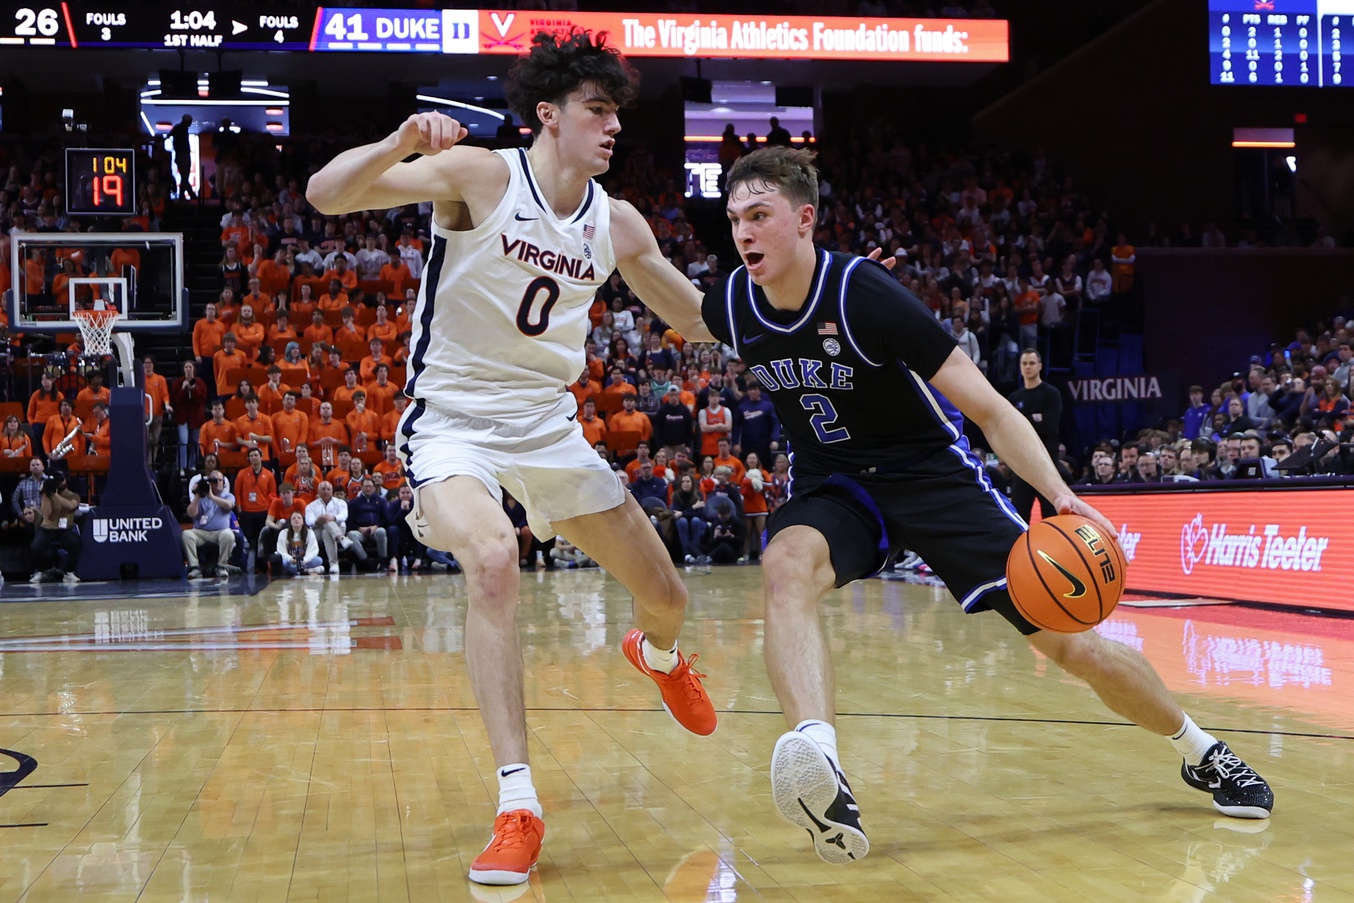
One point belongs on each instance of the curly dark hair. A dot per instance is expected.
(558, 64)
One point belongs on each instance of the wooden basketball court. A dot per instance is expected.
(318, 740)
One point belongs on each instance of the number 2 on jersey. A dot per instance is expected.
(542, 321)
(824, 415)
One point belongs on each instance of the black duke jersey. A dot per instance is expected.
(848, 372)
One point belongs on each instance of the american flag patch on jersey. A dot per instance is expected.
(589, 231)
(827, 328)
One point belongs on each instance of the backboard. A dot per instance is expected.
(54, 273)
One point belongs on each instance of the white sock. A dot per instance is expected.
(1192, 741)
(660, 660)
(825, 735)
(515, 790)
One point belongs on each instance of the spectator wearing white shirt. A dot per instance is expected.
(328, 516)
(335, 254)
(306, 254)
(370, 259)
(410, 256)
(1099, 285)
(968, 342)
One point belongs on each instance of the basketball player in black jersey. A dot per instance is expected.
(872, 393)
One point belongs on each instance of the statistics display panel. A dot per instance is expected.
(1279, 42)
(326, 29)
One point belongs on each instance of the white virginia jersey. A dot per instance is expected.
(502, 313)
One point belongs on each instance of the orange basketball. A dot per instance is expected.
(1065, 574)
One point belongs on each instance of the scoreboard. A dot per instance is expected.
(1279, 42)
(100, 181)
(83, 25)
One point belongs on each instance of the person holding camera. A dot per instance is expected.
(56, 531)
(210, 512)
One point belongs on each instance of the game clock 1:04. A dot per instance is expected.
(100, 181)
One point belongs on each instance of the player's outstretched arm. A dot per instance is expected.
(1012, 437)
(651, 277)
(371, 177)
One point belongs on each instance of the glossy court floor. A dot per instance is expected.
(317, 740)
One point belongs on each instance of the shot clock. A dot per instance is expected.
(100, 181)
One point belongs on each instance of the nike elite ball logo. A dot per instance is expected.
(1078, 588)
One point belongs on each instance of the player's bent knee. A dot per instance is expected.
(1079, 654)
(792, 572)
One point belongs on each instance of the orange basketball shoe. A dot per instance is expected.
(512, 851)
(684, 696)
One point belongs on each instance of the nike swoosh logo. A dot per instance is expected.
(822, 828)
(514, 771)
(748, 343)
(571, 417)
(1078, 588)
(524, 219)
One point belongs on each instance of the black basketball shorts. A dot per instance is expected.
(945, 509)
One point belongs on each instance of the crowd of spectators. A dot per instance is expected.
(293, 385)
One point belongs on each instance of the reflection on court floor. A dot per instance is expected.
(317, 738)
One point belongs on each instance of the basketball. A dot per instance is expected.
(1065, 574)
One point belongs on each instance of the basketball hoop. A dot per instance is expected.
(96, 329)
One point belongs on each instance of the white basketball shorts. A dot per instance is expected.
(541, 459)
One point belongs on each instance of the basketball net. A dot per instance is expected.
(96, 333)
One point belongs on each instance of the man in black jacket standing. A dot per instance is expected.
(1042, 405)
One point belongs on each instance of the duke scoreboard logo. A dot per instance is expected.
(124, 529)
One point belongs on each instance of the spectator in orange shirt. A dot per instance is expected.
(291, 428)
(350, 338)
(370, 362)
(271, 392)
(618, 384)
(381, 391)
(228, 358)
(725, 459)
(93, 393)
(292, 359)
(334, 299)
(255, 489)
(218, 434)
(641, 458)
(14, 441)
(249, 332)
(226, 308)
(630, 420)
(275, 274)
(390, 470)
(44, 404)
(341, 273)
(236, 232)
(254, 430)
(303, 304)
(349, 388)
(594, 428)
(340, 472)
(302, 456)
(364, 426)
(584, 389)
(716, 422)
(281, 332)
(390, 420)
(306, 478)
(207, 335)
(326, 436)
(383, 328)
(1027, 308)
(317, 333)
(157, 390)
(283, 506)
(59, 426)
(397, 271)
(256, 298)
(754, 487)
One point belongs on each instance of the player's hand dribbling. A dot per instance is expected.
(1070, 504)
(429, 133)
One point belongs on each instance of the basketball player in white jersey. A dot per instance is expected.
(521, 242)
